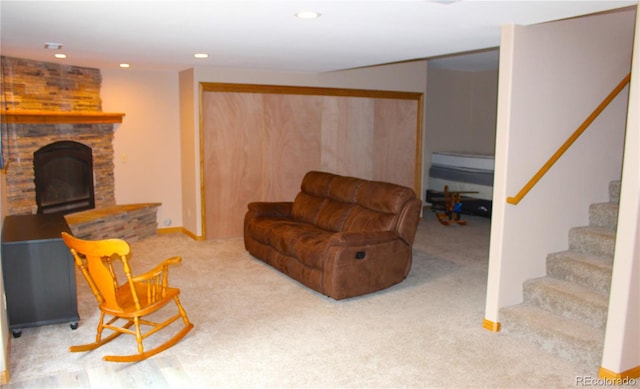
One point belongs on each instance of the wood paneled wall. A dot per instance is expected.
(259, 141)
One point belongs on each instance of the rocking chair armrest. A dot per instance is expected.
(161, 268)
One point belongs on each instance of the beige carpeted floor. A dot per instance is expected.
(257, 328)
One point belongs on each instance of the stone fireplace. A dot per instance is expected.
(45, 104)
(61, 102)
(25, 139)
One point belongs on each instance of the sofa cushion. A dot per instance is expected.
(379, 204)
(325, 200)
(303, 241)
(333, 214)
(311, 248)
(384, 197)
(344, 189)
(341, 198)
(363, 219)
(316, 183)
(306, 207)
(260, 227)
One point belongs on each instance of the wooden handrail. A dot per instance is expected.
(565, 146)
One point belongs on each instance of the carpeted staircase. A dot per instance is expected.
(565, 312)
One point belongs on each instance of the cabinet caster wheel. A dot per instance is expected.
(16, 333)
(74, 325)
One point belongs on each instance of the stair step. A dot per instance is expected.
(604, 215)
(565, 313)
(596, 241)
(563, 337)
(582, 269)
(568, 300)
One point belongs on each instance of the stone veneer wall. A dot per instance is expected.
(32, 85)
(45, 86)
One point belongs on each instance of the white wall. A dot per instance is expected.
(622, 340)
(552, 76)
(146, 144)
(406, 77)
(189, 151)
(460, 113)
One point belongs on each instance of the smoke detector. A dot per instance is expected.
(53, 46)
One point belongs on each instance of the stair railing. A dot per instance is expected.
(565, 146)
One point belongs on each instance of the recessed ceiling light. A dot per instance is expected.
(308, 14)
(201, 55)
(124, 65)
(61, 56)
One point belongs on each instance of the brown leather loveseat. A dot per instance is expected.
(342, 236)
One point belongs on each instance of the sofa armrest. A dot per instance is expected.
(271, 209)
(408, 221)
(361, 238)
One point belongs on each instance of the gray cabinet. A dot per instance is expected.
(38, 272)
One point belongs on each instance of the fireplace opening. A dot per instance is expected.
(64, 177)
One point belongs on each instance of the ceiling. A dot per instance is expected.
(164, 35)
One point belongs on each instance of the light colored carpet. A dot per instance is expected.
(258, 328)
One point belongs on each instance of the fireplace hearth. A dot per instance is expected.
(63, 177)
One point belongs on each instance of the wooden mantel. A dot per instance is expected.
(56, 117)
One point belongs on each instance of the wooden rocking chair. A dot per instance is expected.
(131, 301)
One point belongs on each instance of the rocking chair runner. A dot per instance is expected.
(132, 300)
